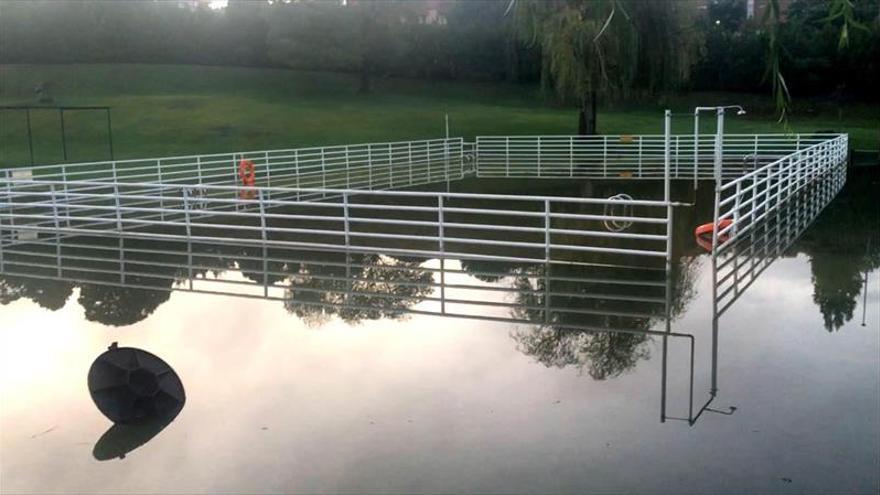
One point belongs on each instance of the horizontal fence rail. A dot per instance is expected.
(512, 227)
(631, 156)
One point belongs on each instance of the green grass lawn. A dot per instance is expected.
(161, 110)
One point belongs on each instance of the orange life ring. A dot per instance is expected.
(703, 233)
(247, 172)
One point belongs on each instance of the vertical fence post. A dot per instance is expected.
(547, 232)
(391, 166)
(188, 226)
(264, 235)
(8, 174)
(347, 167)
(736, 206)
(440, 225)
(199, 168)
(268, 174)
(66, 194)
(696, 146)
(605, 156)
(409, 160)
(446, 153)
(640, 155)
(296, 173)
(538, 153)
(719, 133)
(369, 166)
(323, 170)
(755, 156)
(667, 143)
(118, 207)
(161, 190)
(507, 156)
(57, 223)
(345, 220)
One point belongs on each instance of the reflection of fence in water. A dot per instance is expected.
(768, 210)
(539, 293)
(593, 299)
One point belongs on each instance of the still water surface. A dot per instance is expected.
(285, 397)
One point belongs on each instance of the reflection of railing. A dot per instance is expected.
(631, 156)
(628, 293)
(523, 228)
(739, 261)
(592, 299)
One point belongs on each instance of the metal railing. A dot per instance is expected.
(512, 227)
(356, 166)
(746, 200)
(631, 156)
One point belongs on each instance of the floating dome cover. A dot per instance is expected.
(131, 386)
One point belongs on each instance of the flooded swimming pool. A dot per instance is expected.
(370, 373)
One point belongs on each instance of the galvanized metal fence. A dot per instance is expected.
(356, 166)
(746, 200)
(632, 156)
(340, 197)
(523, 228)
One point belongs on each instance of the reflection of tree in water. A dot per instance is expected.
(842, 243)
(375, 287)
(564, 336)
(49, 294)
(120, 306)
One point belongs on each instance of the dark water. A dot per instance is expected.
(342, 378)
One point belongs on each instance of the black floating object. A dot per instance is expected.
(134, 387)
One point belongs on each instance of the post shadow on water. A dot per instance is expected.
(136, 390)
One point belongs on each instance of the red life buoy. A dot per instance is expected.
(703, 233)
(247, 172)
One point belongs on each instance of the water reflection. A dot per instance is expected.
(121, 439)
(122, 282)
(600, 319)
(371, 287)
(844, 245)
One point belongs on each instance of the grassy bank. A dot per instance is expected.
(172, 110)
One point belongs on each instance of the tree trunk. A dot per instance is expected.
(587, 115)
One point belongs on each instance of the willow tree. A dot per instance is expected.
(609, 48)
(841, 13)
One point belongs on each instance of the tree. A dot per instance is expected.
(373, 287)
(49, 294)
(842, 15)
(609, 47)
